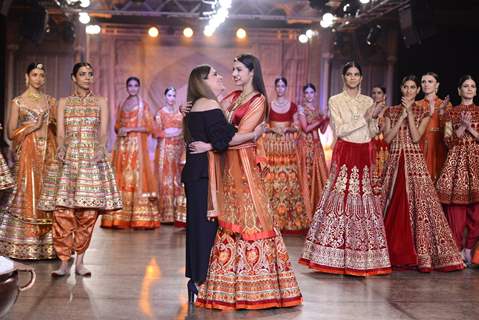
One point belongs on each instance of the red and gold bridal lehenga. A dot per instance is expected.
(381, 154)
(432, 143)
(249, 265)
(313, 168)
(26, 231)
(347, 232)
(283, 178)
(417, 231)
(169, 161)
(133, 172)
(458, 183)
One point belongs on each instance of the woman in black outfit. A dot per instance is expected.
(205, 122)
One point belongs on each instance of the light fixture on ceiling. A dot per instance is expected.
(188, 32)
(241, 33)
(153, 32)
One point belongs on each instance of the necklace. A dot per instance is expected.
(34, 96)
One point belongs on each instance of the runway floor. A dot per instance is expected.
(140, 275)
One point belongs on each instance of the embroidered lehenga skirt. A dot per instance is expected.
(347, 232)
(249, 264)
(283, 183)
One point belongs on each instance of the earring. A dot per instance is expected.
(27, 83)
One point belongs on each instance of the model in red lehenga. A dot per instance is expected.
(249, 266)
(169, 153)
(417, 231)
(378, 94)
(432, 143)
(458, 183)
(283, 178)
(313, 168)
(132, 165)
(347, 233)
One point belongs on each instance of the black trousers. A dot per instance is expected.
(200, 233)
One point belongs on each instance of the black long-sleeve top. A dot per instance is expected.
(208, 126)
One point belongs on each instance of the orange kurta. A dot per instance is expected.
(25, 231)
(432, 144)
(169, 161)
(133, 172)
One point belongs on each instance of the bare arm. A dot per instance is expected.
(61, 123)
(12, 121)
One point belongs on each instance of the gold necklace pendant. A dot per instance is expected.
(34, 96)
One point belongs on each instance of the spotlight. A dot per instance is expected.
(373, 35)
(241, 33)
(188, 32)
(93, 29)
(153, 32)
(328, 17)
(84, 18)
(303, 38)
(85, 3)
(364, 1)
(309, 33)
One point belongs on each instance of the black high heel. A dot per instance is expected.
(192, 291)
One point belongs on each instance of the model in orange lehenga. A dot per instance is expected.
(169, 156)
(249, 266)
(458, 183)
(132, 165)
(417, 231)
(25, 231)
(378, 94)
(283, 178)
(432, 143)
(314, 171)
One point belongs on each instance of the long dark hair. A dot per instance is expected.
(197, 88)
(252, 63)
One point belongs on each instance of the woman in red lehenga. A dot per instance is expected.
(249, 265)
(169, 154)
(417, 231)
(378, 94)
(283, 178)
(314, 171)
(347, 233)
(132, 165)
(458, 183)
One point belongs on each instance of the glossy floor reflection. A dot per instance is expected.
(140, 275)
